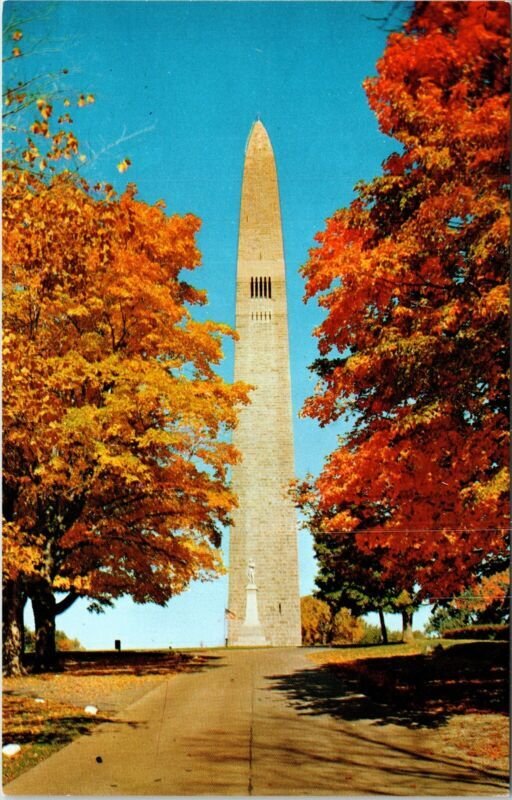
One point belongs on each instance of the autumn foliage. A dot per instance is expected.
(115, 443)
(114, 455)
(413, 278)
(321, 624)
(316, 620)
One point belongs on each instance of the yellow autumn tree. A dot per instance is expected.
(116, 424)
(115, 454)
(316, 620)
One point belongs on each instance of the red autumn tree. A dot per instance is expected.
(413, 277)
(35, 137)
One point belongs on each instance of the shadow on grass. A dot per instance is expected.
(414, 691)
(60, 731)
(130, 663)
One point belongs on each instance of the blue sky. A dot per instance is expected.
(177, 87)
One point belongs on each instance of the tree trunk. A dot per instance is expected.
(12, 626)
(43, 605)
(383, 627)
(407, 636)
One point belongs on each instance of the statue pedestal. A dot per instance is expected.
(251, 633)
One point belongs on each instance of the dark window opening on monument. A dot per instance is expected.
(261, 287)
(280, 609)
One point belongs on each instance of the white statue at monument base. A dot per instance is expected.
(251, 632)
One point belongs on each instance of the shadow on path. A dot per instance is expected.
(416, 693)
(289, 756)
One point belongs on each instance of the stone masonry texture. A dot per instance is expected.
(264, 525)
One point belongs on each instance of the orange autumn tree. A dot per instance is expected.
(115, 459)
(413, 277)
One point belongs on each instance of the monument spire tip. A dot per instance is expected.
(258, 136)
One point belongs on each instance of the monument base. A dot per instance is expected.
(251, 636)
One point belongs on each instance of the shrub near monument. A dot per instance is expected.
(320, 626)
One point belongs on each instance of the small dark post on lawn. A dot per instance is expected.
(117, 645)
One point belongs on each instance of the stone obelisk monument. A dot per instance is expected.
(263, 573)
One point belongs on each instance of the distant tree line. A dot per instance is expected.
(321, 625)
(63, 642)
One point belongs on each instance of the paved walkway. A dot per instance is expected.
(236, 728)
